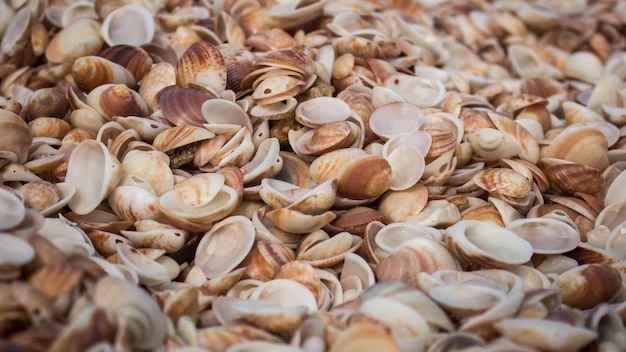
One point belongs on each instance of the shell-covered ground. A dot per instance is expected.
(302, 175)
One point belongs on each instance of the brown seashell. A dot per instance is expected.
(484, 212)
(134, 58)
(571, 177)
(588, 285)
(581, 145)
(239, 63)
(117, 100)
(265, 259)
(183, 106)
(39, 195)
(367, 176)
(330, 136)
(80, 38)
(356, 219)
(474, 119)
(413, 257)
(302, 272)
(16, 136)
(364, 337)
(51, 127)
(503, 182)
(90, 72)
(161, 75)
(56, 280)
(202, 64)
(46, 102)
(290, 59)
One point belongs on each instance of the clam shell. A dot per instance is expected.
(202, 64)
(18, 137)
(15, 253)
(134, 58)
(321, 110)
(183, 106)
(587, 285)
(471, 242)
(547, 236)
(117, 100)
(492, 144)
(364, 177)
(503, 181)
(421, 91)
(173, 207)
(581, 145)
(92, 71)
(545, 334)
(80, 38)
(412, 257)
(160, 76)
(222, 248)
(151, 166)
(402, 205)
(129, 24)
(364, 336)
(395, 118)
(95, 172)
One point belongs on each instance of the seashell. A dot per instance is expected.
(270, 315)
(18, 139)
(492, 144)
(117, 100)
(571, 177)
(407, 118)
(148, 270)
(402, 322)
(530, 148)
(402, 205)
(296, 222)
(568, 145)
(224, 116)
(503, 181)
(469, 241)
(321, 110)
(202, 64)
(145, 320)
(128, 19)
(40, 195)
(16, 252)
(354, 220)
(152, 167)
(420, 91)
(313, 201)
(134, 58)
(267, 162)
(146, 128)
(304, 273)
(275, 111)
(80, 38)
(613, 107)
(364, 337)
(172, 206)
(545, 334)
(412, 257)
(46, 102)
(151, 234)
(547, 236)
(50, 127)
(484, 212)
(287, 293)
(588, 285)
(265, 260)
(90, 72)
(183, 106)
(322, 251)
(159, 77)
(95, 172)
(364, 177)
(584, 66)
(222, 248)
(294, 60)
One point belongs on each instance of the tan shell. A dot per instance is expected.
(80, 38)
(183, 106)
(92, 71)
(582, 145)
(18, 136)
(503, 181)
(202, 64)
(364, 177)
(587, 285)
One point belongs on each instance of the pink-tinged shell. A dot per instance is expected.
(503, 182)
(395, 118)
(546, 235)
(183, 106)
(202, 64)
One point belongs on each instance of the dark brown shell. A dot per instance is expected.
(183, 106)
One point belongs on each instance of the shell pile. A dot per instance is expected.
(304, 175)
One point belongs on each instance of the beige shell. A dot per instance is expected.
(129, 24)
(471, 242)
(202, 64)
(492, 144)
(503, 182)
(95, 172)
(582, 145)
(18, 136)
(80, 38)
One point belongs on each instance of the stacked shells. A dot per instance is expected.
(312, 175)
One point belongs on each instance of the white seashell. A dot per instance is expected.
(421, 91)
(128, 24)
(13, 209)
(318, 111)
(493, 144)
(545, 334)
(392, 119)
(267, 162)
(287, 293)
(546, 235)
(149, 272)
(227, 243)
(472, 242)
(95, 173)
